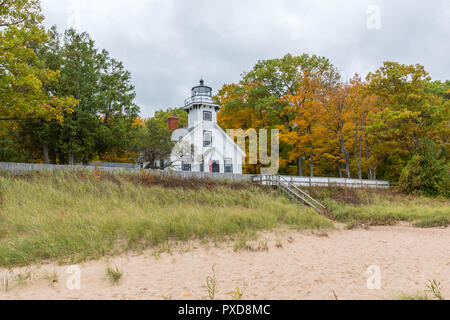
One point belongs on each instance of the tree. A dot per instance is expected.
(243, 108)
(428, 171)
(162, 116)
(362, 106)
(260, 99)
(338, 103)
(304, 110)
(23, 74)
(100, 124)
(408, 113)
(153, 143)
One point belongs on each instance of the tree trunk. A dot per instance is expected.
(52, 155)
(369, 170)
(45, 151)
(346, 157)
(300, 166)
(311, 162)
(86, 159)
(339, 168)
(358, 154)
(360, 158)
(71, 159)
(62, 158)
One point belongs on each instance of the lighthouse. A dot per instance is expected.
(210, 149)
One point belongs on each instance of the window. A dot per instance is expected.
(186, 166)
(161, 164)
(207, 138)
(228, 166)
(207, 116)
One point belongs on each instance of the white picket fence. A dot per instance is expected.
(18, 168)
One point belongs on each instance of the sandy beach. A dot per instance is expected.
(297, 265)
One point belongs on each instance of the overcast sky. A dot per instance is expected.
(168, 45)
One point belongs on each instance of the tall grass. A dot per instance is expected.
(73, 216)
(384, 208)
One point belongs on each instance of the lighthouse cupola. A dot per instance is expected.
(200, 106)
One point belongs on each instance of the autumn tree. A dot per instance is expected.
(362, 107)
(260, 99)
(304, 109)
(23, 74)
(409, 112)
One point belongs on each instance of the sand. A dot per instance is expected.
(307, 266)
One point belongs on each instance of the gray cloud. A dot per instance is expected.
(168, 45)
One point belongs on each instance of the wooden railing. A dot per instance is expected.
(323, 182)
(299, 195)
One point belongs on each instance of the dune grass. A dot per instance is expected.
(73, 216)
(114, 274)
(384, 207)
(433, 292)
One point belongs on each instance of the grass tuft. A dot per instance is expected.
(51, 277)
(114, 274)
(211, 285)
(433, 288)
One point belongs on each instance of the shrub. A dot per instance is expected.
(427, 172)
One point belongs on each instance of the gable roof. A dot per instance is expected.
(216, 126)
(230, 140)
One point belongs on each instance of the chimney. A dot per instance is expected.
(173, 123)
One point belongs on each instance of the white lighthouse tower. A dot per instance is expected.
(201, 107)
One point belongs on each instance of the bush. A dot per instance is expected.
(427, 172)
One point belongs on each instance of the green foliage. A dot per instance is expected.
(162, 116)
(428, 172)
(9, 152)
(24, 76)
(101, 121)
(411, 109)
(152, 142)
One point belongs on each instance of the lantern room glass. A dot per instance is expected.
(202, 90)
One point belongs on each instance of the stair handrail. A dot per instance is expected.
(301, 191)
(282, 186)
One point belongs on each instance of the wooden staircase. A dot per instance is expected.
(296, 193)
